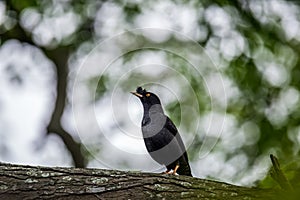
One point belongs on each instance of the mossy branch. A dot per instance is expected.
(30, 182)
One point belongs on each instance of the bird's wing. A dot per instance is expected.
(184, 168)
(172, 128)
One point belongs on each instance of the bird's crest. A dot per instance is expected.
(141, 91)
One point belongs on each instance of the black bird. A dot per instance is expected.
(161, 136)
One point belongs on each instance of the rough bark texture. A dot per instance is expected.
(28, 182)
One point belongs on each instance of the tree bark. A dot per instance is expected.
(29, 182)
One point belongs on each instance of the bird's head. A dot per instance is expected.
(146, 97)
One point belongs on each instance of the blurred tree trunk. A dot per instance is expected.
(59, 56)
(28, 182)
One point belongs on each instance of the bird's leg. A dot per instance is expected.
(175, 169)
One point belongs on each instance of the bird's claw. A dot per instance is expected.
(173, 172)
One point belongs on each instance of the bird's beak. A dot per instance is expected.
(137, 94)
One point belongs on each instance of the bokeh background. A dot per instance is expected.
(227, 72)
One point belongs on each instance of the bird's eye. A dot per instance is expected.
(148, 95)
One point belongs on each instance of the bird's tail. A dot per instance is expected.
(184, 166)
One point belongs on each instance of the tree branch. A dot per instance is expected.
(28, 182)
(278, 175)
(60, 57)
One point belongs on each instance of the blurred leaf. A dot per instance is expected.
(131, 11)
(20, 5)
(101, 86)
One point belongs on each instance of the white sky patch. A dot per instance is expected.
(290, 98)
(162, 15)
(219, 19)
(275, 74)
(150, 63)
(213, 50)
(288, 14)
(27, 107)
(135, 111)
(232, 46)
(221, 89)
(23, 112)
(281, 107)
(117, 123)
(219, 125)
(91, 66)
(48, 28)
(152, 19)
(291, 27)
(30, 17)
(136, 146)
(257, 172)
(187, 20)
(251, 132)
(256, 8)
(234, 165)
(247, 134)
(109, 20)
(210, 165)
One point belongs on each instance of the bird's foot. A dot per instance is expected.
(173, 171)
(169, 172)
